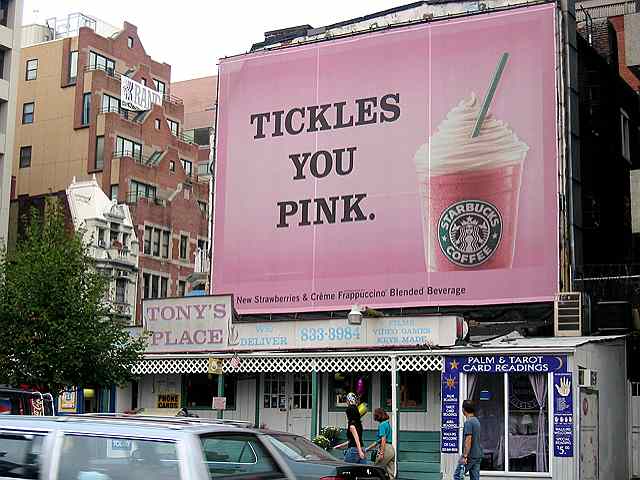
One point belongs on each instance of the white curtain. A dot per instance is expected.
(539, 384)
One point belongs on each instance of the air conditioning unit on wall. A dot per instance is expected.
(567, 315)
(587, 378)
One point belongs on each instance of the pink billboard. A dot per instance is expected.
(411, 167)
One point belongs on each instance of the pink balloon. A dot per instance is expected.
(360, 387)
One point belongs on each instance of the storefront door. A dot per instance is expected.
(589, 437)
(286, 402)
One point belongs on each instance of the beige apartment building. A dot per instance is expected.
(10, 22)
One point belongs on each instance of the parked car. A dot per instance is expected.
(309, 462)
(124, 447)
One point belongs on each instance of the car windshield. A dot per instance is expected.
(298, 448)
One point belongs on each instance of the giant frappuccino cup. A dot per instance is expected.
(469, 191)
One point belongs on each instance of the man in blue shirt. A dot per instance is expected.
(471, 448)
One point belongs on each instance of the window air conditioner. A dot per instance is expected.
(587, 378)
(567, 318)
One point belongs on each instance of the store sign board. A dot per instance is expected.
(532, 363)
(562, 415)
(192, 324)
(347, 173)
(68, 401)
(137, 97)
(168, 400)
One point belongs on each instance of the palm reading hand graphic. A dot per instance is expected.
(564, 389)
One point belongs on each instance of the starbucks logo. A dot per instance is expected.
(469, 232)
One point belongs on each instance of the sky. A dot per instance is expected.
(194, 36)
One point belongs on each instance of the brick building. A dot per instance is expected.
(70, 123)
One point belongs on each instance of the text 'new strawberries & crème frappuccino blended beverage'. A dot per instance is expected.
(469, 191)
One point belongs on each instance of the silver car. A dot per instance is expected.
(123, 447)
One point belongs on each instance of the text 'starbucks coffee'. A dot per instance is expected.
(469, 232)
(469, 189)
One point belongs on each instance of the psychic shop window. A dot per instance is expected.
(525, 399)
(200, 388)
(340, 384)
(412, 392)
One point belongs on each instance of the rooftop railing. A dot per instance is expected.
(584, 14)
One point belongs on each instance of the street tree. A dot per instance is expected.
(58, 328)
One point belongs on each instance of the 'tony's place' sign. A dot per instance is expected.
(196, 324)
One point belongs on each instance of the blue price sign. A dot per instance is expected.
(562, 415)
(450, 407)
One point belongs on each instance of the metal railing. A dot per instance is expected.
(135, 197)
(135, 117)
(172, 99)
(605, 11)
(146, 160)
(110, 72)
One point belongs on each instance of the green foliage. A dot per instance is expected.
(322, 441)
(331, 433)
(57, 329)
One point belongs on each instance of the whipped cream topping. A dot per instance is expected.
(453, 150)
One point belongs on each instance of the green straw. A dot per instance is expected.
(490, 93)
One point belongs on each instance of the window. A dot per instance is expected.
(125, 240)
(340, 384)
(160, 86)
(99, 163)
(172, 166)
(100, 62)
(412, 393)
(138, 190)
(155, 157)
(203, 206)
(25, 157)
(148, 232)
(101, 237)
(173, 126)
(156, 242)
(86, 108)
(155, 281)
(522, 400)
(301, 397)
(143, 81)
(200, 388)
(121, 290)
(130, 42)
(203, 245)
(274, 390)
(20, 455)
(73, 66)
(624, 128)
(184, 242)
(166, 240)
(113, 237)
(238, 456)
(110, 103)
(116, 457)
(187, 165)
(154, 285)
(114, 192)
(32, 69)
(202, 136)
(128, 148)
(182, 288)
(299, 449)
(157, 123)
(27, 113)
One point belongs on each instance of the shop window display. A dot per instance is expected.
(340, 384)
